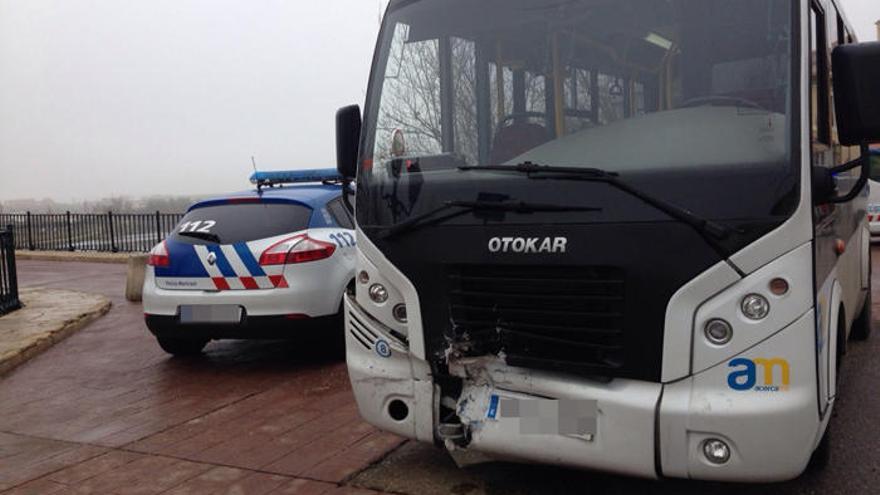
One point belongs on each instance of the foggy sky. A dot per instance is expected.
(107, 97)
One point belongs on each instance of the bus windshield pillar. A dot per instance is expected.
(447, 96)
(484, 118)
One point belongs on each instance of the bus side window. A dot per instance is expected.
(819, 87)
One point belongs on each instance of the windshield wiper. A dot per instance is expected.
(710, 230)
(465, 207)
(205, 236)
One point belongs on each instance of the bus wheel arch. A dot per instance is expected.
(840, 333)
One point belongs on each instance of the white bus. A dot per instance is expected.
(874, 198)
(623, 235)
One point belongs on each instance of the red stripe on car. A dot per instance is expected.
(220, 283)
(278, 281)
(249, 283)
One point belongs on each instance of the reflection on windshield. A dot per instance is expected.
(626, 85)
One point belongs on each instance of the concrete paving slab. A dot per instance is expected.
(48, 317)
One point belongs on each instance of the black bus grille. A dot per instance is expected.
(553, 318)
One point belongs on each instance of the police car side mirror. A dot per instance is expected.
(856, 69)
(348, 135)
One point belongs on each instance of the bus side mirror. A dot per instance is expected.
(856, 70)
(348, 135)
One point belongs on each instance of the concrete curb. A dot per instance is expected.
(76, 256)
(46, 332)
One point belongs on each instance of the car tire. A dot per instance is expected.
(861, 329)
(182, 347)
(821, 457)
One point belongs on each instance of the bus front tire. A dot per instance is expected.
(861, 329)
(821, 457)
(182, 347)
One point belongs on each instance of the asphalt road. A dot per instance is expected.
(107, 412)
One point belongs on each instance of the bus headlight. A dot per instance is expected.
(718, 331)
(755, 307)
(378, 293)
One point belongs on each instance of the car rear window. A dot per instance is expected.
(232, 223)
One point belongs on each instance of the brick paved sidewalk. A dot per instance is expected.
(106, 411)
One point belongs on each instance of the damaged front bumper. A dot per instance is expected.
(621, 426)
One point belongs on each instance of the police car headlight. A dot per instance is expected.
(378, 293)
(755, 307)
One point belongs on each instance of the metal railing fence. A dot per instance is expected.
(9, 300)
(101, 232)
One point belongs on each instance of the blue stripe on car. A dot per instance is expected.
(185, 262)
(222, 262)
(247, 257)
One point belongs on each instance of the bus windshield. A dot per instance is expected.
(694, 91)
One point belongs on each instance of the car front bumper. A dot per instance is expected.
(641, 429)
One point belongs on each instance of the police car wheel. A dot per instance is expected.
(182, 347)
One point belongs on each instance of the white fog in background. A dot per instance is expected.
(103, 98)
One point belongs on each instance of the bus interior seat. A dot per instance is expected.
(513, 140)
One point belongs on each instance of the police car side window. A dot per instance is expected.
(340, 214)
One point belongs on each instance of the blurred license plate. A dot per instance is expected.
(210, 314)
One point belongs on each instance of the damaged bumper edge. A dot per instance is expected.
(389, 384)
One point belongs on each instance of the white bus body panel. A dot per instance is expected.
(874, 210)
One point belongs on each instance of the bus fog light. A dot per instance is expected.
(718, 332)
(755, 307)
(364, 277)
(399, 313)
(378, 293)
(716, 451)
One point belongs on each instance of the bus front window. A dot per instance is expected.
(699, 89)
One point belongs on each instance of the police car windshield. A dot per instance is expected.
(233, 223)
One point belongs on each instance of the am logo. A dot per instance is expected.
(745, 374)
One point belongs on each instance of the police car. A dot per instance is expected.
(259, 264)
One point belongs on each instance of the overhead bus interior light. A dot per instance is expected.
(657, 40)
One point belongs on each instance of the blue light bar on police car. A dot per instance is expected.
(295, 176)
